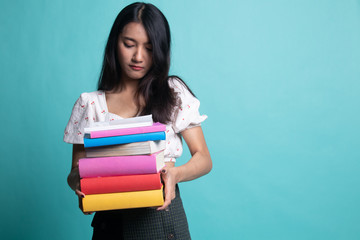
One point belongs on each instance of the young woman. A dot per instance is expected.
(134, 81)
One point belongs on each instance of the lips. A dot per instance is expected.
(136, 68)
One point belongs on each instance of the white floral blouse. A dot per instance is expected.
(91, 107)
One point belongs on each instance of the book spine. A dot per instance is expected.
(117, 166)
(124, 200)
(120, 184)
(156, 127)
(96, 142)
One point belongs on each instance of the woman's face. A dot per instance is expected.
(134, 51)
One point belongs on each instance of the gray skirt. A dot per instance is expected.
(143, 223)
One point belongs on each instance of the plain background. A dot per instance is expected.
(279, 80)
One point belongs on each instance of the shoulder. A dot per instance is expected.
(182, 91)
(186, 113)
(88, 99)
(88, 96)
(180, 88)
(177, 84)
(89, 102)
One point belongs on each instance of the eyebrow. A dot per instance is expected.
(131, 39)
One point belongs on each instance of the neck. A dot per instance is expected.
(129, 86)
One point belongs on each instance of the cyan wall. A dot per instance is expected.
(279, 80)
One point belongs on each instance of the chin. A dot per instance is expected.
(134, 76)
(137, 76)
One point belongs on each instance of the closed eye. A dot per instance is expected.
(149, 47)
(128, 45)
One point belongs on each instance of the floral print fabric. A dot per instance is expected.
(91, 107)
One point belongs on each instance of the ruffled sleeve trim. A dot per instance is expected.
(187, 114)
(169, 159)
(80, 118)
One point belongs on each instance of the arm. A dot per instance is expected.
(74, 177)
(199, 164)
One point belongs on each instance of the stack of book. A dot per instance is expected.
(122, 164)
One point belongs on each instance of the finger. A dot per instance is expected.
(166, 202)
(80, 204)
(79, 193)
(164, 176)
(165, 206)
(173, 196)
(170, 195)
(168, 198)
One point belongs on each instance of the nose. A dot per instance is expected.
(139, 55)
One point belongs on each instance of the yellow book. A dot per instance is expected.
(123, 200)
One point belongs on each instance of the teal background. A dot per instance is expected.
(279, 81)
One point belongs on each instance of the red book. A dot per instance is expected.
(130, 183)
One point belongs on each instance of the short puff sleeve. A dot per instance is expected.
(187, 113)
(81, 117)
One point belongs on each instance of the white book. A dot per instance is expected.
(141, 121)
(129, 149)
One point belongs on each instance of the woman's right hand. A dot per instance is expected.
(74, 176)
(74, 183)
(81, 195)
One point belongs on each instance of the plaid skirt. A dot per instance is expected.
(142, 223)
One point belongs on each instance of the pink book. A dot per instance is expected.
(122, 165)
(156, 127)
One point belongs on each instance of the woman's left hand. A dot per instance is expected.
(169, 176)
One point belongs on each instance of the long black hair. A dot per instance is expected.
(154, 88)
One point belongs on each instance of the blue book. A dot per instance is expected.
(98, 142)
